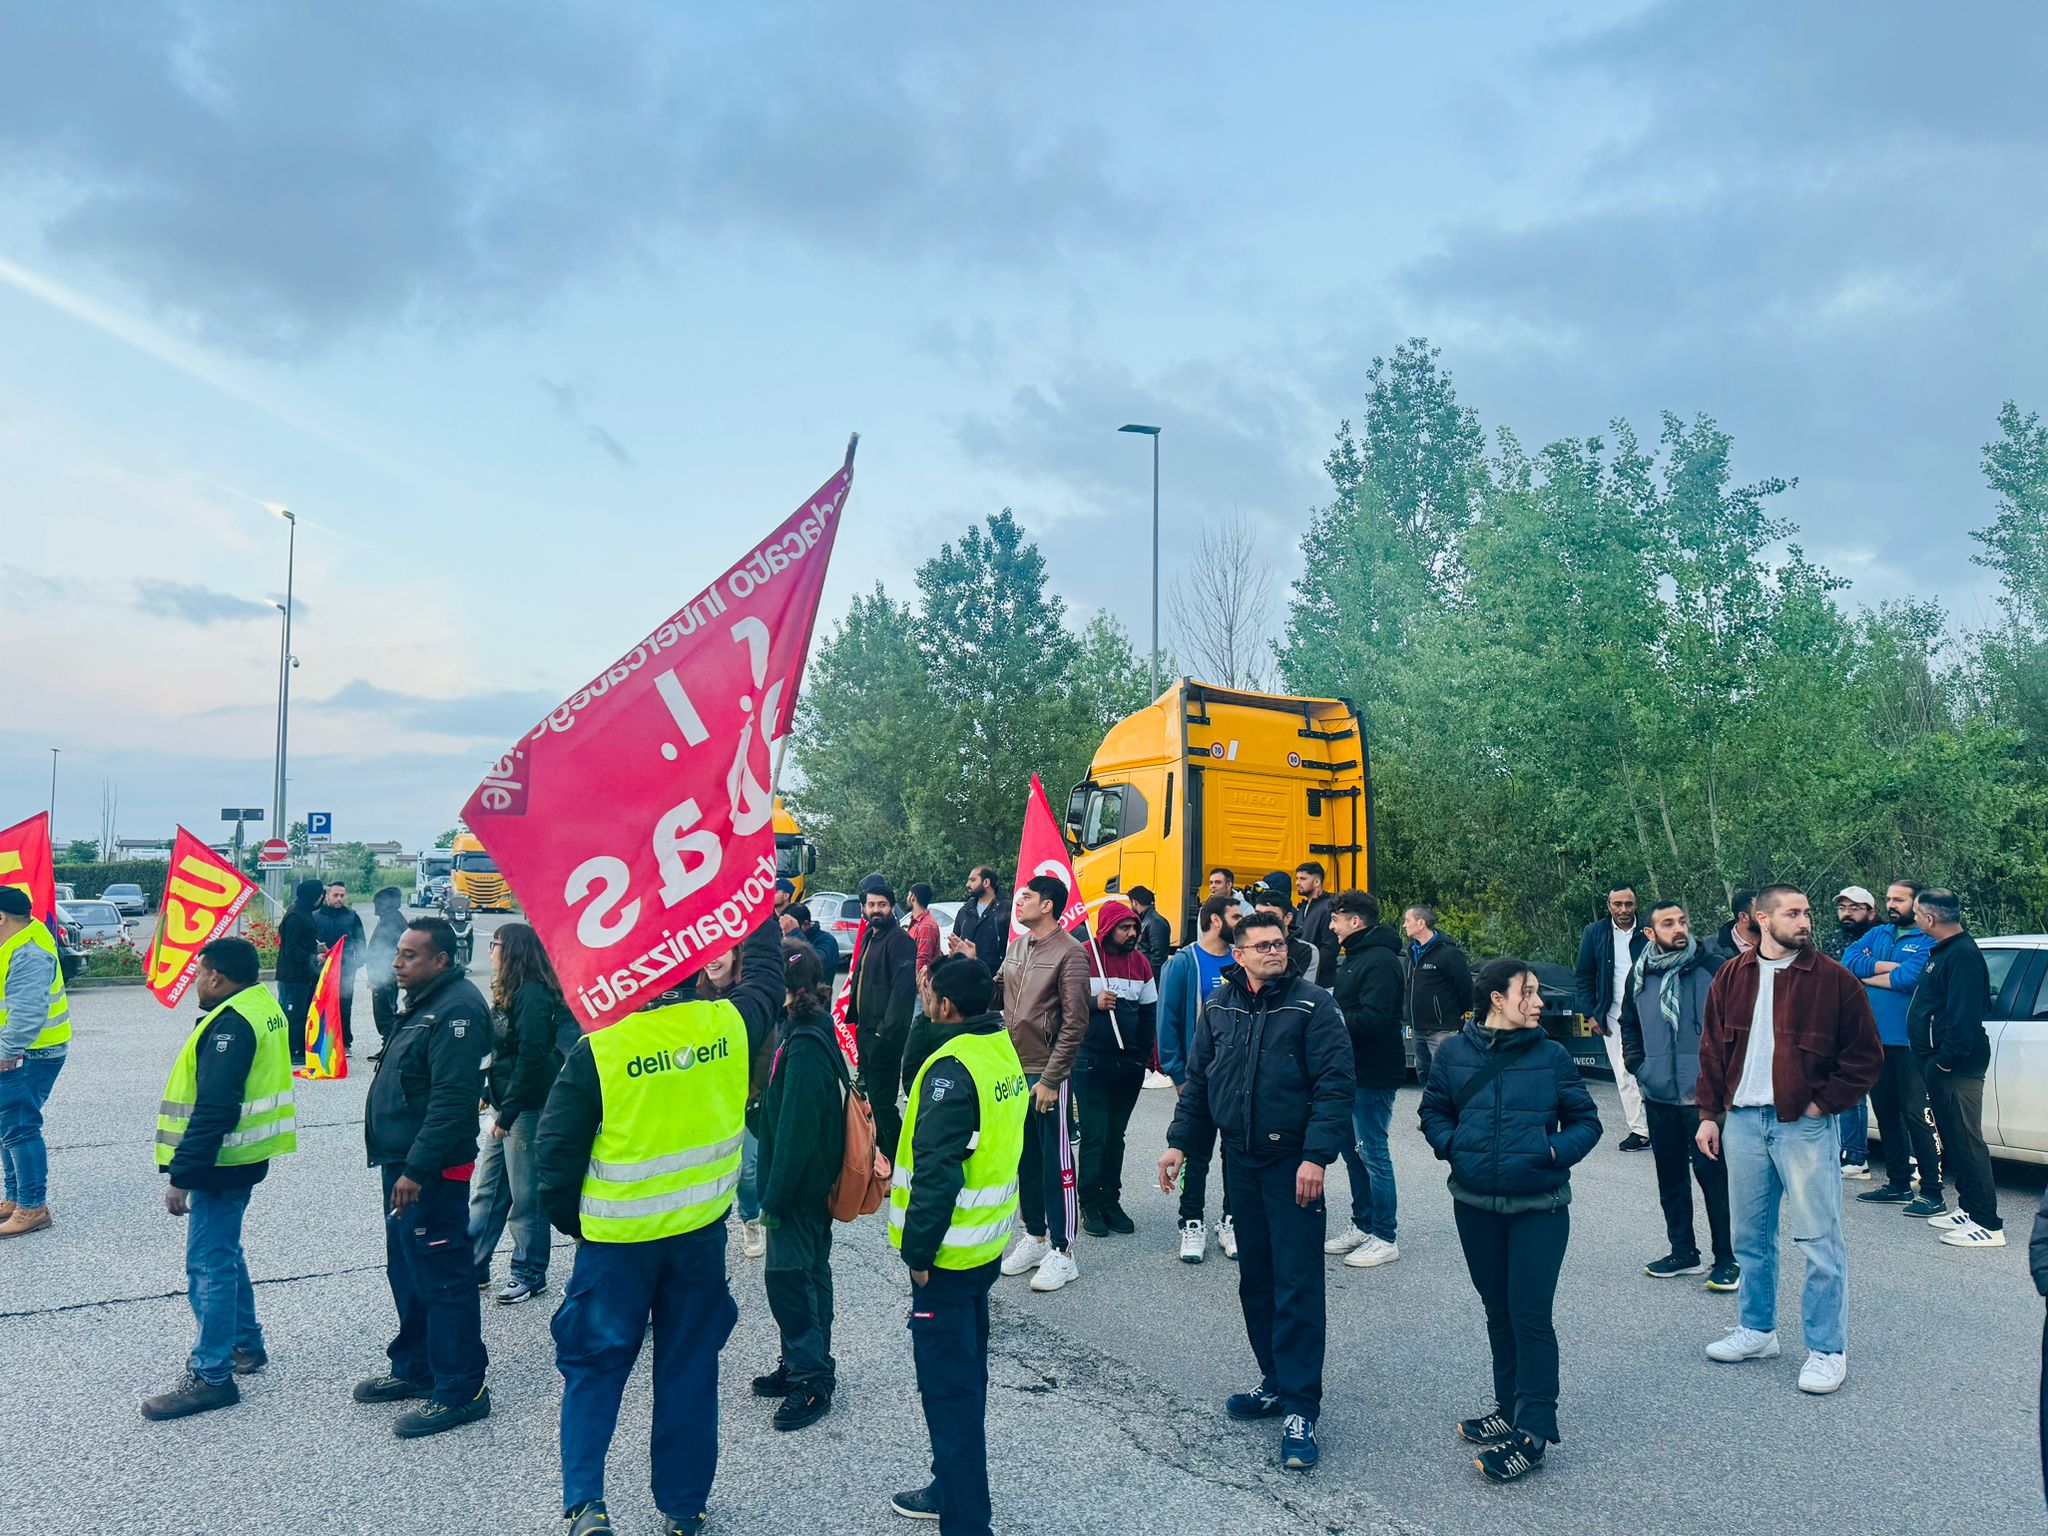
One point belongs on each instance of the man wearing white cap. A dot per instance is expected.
(1855, 915)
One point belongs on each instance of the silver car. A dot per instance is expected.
(128, 898)
(94, 922)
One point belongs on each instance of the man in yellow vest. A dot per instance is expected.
(639, 1154)
(951, 1204)
(35, 1030)
(227, 1111)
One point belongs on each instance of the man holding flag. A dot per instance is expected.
(227, 1110)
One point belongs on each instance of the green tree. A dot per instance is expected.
(447, 839)
(2016, 542)
(296, 839)
(80, 850)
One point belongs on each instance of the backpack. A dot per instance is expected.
(864, 1171)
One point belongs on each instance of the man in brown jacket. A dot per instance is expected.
(1788, 1044)
(1042, 990)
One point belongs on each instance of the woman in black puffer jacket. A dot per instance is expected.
(1504, 1106)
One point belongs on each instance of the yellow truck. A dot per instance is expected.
(1206, 776)
(474, 874)
(796, 856)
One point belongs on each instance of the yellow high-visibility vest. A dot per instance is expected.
(57, 1028)
(987, 1201)
(268, 1125)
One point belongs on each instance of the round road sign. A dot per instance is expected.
(276, 851)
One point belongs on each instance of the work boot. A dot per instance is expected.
(434, 1418)
(590, 1519)
(684, 1525)
(25, 1218)
(195, 1394)
(6, 1209)
(390, 1389)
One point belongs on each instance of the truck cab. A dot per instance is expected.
(1207, 776)
(796, 856)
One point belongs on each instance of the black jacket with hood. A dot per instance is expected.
(528, 1043)
(1368, 992)
(1511, 1148)
(884, 985)
(1312, 927)
(1270, 1070)
(298, 937)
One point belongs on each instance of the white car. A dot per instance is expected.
(94, 922)
(2016, 1087)
(943, 913)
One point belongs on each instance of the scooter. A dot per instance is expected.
(455, 908)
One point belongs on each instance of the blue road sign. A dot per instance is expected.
(319, 823)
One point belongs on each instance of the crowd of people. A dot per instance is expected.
(998, 1068)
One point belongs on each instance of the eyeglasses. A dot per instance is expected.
(494, 944)
(1266, 947)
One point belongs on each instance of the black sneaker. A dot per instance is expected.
(1725, 1277)
(684, 1525)
(1923, 1206)
(1516, 1458)
(1113, 1216)
(1092, 1222)
(390, 1389)
(1259, 1404)
(433, 1418)
(589, 1519)
(804, 1405)
(1298, 1449)
(1674, 1264)
(1487, 1429)
(1889, 1194)
(195, 1394)
(775, 1384)
(249, 1361)
(918, 1503)
(1634, 1142)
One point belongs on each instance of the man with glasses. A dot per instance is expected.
(1280, 1129)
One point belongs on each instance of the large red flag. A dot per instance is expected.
(1044, 852)
(203, 895)
(636, 822)
(25, 861)
(840, 1026)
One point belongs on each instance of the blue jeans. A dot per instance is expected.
(217, 1280)
(505, 1191)
(613, 1291)
(433, 1285)
(1855, 1122)
(1798, 1167)
(23, 1093)
(748, 1198)
(1370, 1164)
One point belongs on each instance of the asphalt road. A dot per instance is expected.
(1107, 1411)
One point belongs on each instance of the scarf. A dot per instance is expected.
(1664, 964)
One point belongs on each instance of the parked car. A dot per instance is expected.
(66, 891)
(2016, 1087)
(94, 922)
(839, 913)
(1560, 1019)
(943, 913)
(127, 898)
(70, 948)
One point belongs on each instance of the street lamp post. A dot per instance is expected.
(53, 794)
(284, 666)
(1153, 433)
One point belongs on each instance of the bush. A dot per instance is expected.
(264, 936)
(117, 958)
(90, 880)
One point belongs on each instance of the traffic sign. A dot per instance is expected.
(320, 824)
(276, 851)
(232, 814)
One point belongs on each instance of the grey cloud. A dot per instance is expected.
(568, 402)
(190, 603)
(282, 174)
(496, 716)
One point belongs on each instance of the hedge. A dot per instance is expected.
(89, 880)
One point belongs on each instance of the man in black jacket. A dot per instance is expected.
(1663, 1013)
(803, 1132)
(1367, 987)
(420, 1125)
(298, 962)
(878, 1003)
(1155, 935)
(1608, 947)
(1312, 918)
(240, 1020)
(983, 920)
(1270, 1071)
(336, 922)
(1438, 991)
(1945, 1026)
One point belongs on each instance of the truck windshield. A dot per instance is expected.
(476, 864)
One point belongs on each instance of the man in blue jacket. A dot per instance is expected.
(1889, 960)
(1271, 1075)
(1607, 953)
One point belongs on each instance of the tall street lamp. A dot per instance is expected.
(53, 794)
(284, 665)
(1153, 433)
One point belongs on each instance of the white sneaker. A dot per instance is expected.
(1744, 1344)
(1029, 1253)
(1857, 1171)
(1974, 1236)
(1194, 1241)
(1823, 1373)
(1226, 1238)
(1948, 1219)
(753, 1239)
(1372, 1253)
(1346, 1240)
(1054, 1271)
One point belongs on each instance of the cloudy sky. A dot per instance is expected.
(535, 312)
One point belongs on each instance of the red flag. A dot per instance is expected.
(203, 895)
(25, 861)
(636, 822)
(1044, 852)
(324, 1055)
(840, 1027)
